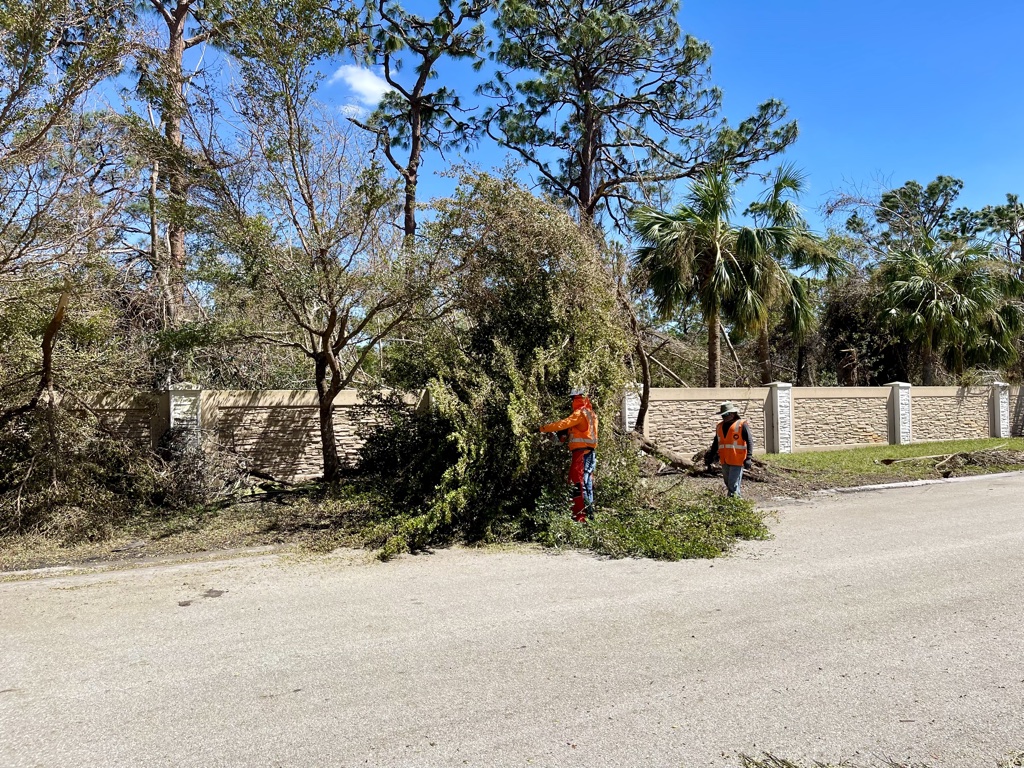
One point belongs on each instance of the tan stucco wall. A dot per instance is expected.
(128, 416)
(278, 431)
(684, 420)
(825, 416)
(950, 413)
(285, 441)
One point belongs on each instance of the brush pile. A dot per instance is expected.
(950, 464)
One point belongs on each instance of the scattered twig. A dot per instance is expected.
(667, 370)
(673, 459)
(887, 462)
(21, 489)
(950, 458)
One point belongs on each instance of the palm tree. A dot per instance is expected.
(799, 254)
(951, 299)
(695, 253)
(690, 253)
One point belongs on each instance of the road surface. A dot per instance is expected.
(875, 625)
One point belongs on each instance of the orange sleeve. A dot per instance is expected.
(569, 421)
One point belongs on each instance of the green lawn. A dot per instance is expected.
(855, 466)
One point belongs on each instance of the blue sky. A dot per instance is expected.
(893, 90)
(884, 92)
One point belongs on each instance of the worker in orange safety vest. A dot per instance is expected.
(581, 427)
(733, 447)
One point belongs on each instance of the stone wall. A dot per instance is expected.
(824, 416)
(684, 420)
(278, 432)
(950, 413)
(132, 417)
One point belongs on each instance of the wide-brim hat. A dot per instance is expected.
(727, 407)
(578, 392)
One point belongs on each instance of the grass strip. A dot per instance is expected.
(862, 466)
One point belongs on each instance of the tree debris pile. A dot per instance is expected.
(949, 464)
(962, 462)
(534, 314)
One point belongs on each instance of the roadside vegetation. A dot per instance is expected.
(251, 232)
(897, 463)
(640, 513)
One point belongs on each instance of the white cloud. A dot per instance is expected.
(366, 85)
(354, 110)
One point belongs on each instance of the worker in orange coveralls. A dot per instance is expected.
(582, 438)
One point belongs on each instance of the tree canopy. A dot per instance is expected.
(608, 101)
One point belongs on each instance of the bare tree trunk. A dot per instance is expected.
(928, 358)
(801, 365)
(46, 375)
(326, 393)
(171, 271)
(645, 365)
(410, 208)
(172, 115)
(714, 350)
(651, 448)
(412, 171)
(764, 355)
(645, 389)
(587, 162)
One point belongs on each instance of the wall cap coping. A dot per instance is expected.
(821, 393)
(660, 394)
(952, 391)
(285, 398)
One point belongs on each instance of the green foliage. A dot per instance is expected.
(417, 113)
(62, 475)
(51, 54)
(1005, 224)
(409, 455)
(695, 254)
(858, 345)
(941, 284)
(638, 519)
(680, 527)
(608, 100)
(955, 302)
(533, 313)
(285, 37)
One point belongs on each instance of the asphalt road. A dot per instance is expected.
(885, 624)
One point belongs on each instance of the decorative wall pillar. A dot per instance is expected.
(900, 427)
(778, 418)
(631, 409)
(999, 410)
(186, 408)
